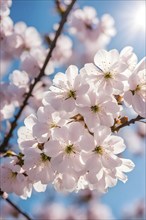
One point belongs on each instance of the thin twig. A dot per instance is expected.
(5, 142)
(127, 123)
(18, 209)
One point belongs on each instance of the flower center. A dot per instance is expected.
(95, 108)
(69, 149)
(44, 157)
(98, 150)
(108, 75)
(138, 88)
(13, 174)
(71, 94)
(53, 125)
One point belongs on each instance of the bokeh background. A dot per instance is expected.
(42, 15)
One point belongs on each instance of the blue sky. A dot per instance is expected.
(42, 15)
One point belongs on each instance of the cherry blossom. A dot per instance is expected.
(32, 62)
(4, 7)
(30, 36)
(66, 89)
(70, 137)
(97, 108)
(82, 22)
(8, 104)
(94, 33)
(38, 166)
(62, 52)
(46, 120)
(66, 152)
(98, 210)
(108, 74)
(129, 57)
(103, 165)
(19, 79)
(136, 96)
(135, 209)
(14, 179)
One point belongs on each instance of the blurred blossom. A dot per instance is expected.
(133, 141)
(135, 210)
(4, 7)
(98, 211)
(54, 211)
(141, 129)
(93, 33)
(136, 95)
(63, 49)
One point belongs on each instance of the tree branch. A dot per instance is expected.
(18, 209)
(37, 79)
(127, 123)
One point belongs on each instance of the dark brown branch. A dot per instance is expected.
(18, 209)
(127, 123)
(5, 142)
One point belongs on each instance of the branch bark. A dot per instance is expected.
(127, 123)
(18, 209)
(5, 142)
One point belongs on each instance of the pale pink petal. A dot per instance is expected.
(110, 161)
(121, 176)
(39, 187)
(110, 182)
(71, 73)
(116, 144)
(41, 131)
(61, 134)
(30, 121)
(101, 133)
(69, 182)
(52, 148)
(127, 165)
(75, 131)
(87, 142)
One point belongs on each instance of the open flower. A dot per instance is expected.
(66, 152)
(13, 179)
(136, 96)
(97, 109)
(108, 72)
(103, 165)
(66, 89)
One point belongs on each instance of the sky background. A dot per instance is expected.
(41, 14)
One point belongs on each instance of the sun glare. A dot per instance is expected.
(139, 19)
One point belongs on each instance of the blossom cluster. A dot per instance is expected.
(47, 210)
(93, 32)
(23, 43)
(68, 137)
(69, 141)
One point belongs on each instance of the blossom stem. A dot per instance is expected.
(18, 209)
(13, 124)
(127, 123)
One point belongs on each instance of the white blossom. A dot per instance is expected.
(103, 166)
(4, 7)
(136, 96)
(97, 109)
(66, 89)
(13, 179)
(108, 72)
